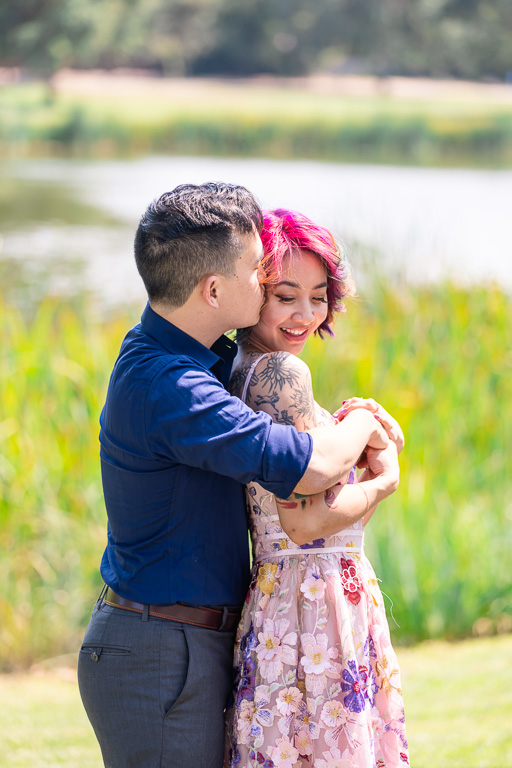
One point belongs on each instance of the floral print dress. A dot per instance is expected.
(316, 679)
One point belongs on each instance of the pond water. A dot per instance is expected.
(68, 225)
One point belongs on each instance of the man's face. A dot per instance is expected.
(245, 294)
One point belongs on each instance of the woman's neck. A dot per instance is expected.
(253, 345)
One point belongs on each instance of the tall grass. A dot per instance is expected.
(233, 120)
(53, 377)
(437, 357)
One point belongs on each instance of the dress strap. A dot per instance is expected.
(249, 376)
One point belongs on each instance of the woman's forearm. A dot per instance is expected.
(372, 509)
(304, 519)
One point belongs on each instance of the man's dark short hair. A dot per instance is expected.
(190, 233)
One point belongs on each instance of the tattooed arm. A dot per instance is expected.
(281, 386)
(305, 518)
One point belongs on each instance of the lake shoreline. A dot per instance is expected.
(343, 119)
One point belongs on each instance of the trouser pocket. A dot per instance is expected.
(95, 652)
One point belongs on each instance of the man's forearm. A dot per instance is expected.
(336, 449)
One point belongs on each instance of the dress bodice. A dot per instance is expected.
(269, 541)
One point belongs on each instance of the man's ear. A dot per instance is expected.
(210, 290)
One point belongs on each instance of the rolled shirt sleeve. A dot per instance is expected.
(191, 419)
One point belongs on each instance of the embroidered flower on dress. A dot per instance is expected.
(351, 583)
(303, 721)
(274, 648)
(354, 700)
(317, 662)
(313, 588)
(244, 677)
(267, 577)
(246, 712)
(245, 687)
(265, 763)
(279, 545)
(316, 543)
(303, 742)
(259, 616)
(368, 685)
(333, 714)
(334, 759)
(283, 754)
(253, 715)
(288, 700)
(377, 724)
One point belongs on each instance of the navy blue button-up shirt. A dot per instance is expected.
(175, 450)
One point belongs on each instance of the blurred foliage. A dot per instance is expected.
(54, 373)
(437, 357)
(264, 120)
(460, 38)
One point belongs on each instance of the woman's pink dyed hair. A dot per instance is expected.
(287, 233)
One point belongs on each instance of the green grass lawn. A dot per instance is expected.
(458, 704)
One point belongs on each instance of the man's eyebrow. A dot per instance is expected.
(296, 285)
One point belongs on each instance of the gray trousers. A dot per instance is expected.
(155, 690)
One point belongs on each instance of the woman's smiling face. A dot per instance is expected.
(295, 307)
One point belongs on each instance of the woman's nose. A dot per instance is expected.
(304, 313)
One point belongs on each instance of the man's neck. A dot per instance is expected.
(192, 321)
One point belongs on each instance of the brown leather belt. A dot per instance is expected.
(208, 618)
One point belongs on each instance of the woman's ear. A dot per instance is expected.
(210, 291)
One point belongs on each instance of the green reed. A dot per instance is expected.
(271, 121)
(437, 357)
(54, 374)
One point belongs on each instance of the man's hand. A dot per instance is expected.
(390, 424)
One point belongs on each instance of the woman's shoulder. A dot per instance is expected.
(278, 383)
(268, 370)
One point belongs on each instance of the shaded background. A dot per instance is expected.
(390, 123)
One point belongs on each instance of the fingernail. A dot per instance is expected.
(342, 412)
(377, 416)
(343, 403)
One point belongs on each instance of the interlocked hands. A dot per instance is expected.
(390, 424)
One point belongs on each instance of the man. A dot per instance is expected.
(155, 665)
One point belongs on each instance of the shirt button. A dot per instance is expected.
(94, 657)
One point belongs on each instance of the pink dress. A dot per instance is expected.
(316, 679)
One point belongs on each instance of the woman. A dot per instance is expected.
(317, 682)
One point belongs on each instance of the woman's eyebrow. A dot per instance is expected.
(296, 285)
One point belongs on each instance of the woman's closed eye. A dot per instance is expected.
(289, 299)
(285, 299)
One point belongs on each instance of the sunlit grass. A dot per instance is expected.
(458, 700)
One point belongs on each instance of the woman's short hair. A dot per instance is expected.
(286, 233)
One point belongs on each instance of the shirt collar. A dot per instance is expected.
(180, 343)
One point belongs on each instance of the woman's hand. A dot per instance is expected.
(390, 424)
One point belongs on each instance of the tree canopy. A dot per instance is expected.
(442, 38)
